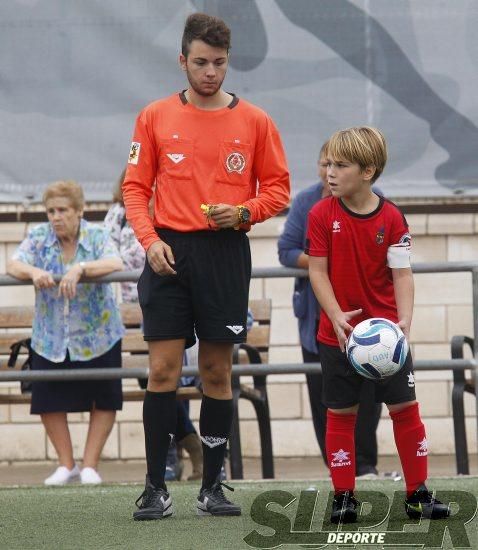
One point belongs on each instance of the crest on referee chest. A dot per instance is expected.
(380, 236)
(235, 162)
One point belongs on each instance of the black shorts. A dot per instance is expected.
(77, 395)
(209, 295)
(341, 384)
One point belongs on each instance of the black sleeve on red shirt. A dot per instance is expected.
(399, 231)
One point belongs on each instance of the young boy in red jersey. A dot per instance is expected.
(359, 267)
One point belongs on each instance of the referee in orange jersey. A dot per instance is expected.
(214, 165)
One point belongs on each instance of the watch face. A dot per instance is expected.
(246, 215)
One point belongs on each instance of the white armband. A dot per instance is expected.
(398, 256)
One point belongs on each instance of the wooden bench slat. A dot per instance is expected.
(9, 338)
(22, 317)
(261, 310)
(15, 398)
(16, 317)
(134, 341)
(259, 336)
(181, 393)
(131, 314)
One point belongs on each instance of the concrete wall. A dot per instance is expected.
(443, 308)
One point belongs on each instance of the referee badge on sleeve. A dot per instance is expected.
(134, 152)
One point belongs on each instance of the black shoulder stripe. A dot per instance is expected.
(397, 208)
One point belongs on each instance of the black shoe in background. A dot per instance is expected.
(422, 504)
(212, 502)
(174, 467)
(155, 503)
(344, 508)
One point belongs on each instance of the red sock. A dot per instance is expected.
(411, 442)
(340, 445)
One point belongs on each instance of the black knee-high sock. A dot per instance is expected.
(215, 423)
(159, 421)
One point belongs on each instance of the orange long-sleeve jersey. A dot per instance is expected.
(189, 156)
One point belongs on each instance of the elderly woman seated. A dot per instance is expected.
(76, 325)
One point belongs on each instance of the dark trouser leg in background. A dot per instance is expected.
(318, 409)
(184, 426)
(188, 439)
(368, 418)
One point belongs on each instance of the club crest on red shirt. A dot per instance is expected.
(235, 162)
(379, 237)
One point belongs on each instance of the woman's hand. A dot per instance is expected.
(42, 279)
(67, 286)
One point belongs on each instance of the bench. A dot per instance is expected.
(16, 323)
(461, 384)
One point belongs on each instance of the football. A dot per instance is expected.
(377, 348)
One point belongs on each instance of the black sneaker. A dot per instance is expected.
(422, 504)
(212, 502)
(156, 503)
(344, 508)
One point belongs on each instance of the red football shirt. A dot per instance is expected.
(356, 247)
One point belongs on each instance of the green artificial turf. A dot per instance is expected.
(78, 517)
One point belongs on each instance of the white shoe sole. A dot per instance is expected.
(202, 512)
(72, 479)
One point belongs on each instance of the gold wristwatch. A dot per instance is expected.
(244, 214)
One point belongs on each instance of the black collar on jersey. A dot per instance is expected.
(363, 216)
(234, 102)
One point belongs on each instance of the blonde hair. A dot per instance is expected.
(363, 145)
(68, 189)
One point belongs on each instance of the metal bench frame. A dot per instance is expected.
(461, 385)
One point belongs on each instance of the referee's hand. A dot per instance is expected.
(160, 258)
(225, 215)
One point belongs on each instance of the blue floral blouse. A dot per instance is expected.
(88, 325)
(131, 252)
